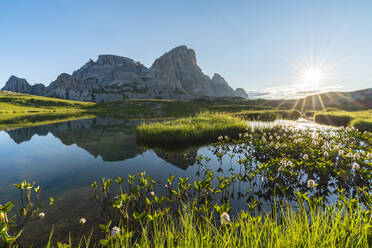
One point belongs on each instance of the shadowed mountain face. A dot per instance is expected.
(113, 140)
(175, 75)
(21, 85)
(110, 139)
(181, 159)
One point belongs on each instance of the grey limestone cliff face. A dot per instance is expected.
(21, 85)
(240, 92)
(175, 75)
(179, 68)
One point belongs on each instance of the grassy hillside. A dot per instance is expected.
(21, 103)
(348, 101)
(21, 110)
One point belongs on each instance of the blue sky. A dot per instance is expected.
(262, 46)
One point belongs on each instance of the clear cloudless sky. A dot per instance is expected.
(257, 45)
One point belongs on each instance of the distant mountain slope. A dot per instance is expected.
(354, 100)
(175, 75)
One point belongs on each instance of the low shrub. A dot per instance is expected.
(332, 119)
(362, 124)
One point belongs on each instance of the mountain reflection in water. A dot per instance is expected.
(65, 158)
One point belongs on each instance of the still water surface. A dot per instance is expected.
(65, 158)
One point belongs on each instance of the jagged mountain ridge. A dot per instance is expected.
(175, 75)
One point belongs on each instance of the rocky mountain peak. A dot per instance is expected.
(240, 92)
(17, 84)
(219, 79)
(174, 75)
(113, 60)
(21, 85)
(177, 58)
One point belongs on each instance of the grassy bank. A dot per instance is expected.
(269, 115)
(22, 110)
(191, 130)
(12, 103)
(29, 120)
(334, 227)
(359, 119)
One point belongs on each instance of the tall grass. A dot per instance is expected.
(361, 120)
(362, 124)
(334, 226)
(191, 130)
(269, 115)
(332, 119)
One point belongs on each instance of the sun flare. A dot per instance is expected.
(312, 77)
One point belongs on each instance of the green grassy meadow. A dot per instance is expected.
(199, 129)
(359, 119)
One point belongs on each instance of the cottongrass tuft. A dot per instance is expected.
(82, 221)
(326, 154)
(355, 166)
(115, 231)
(310, 183)
(225, 218)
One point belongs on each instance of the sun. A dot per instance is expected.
(312, 77)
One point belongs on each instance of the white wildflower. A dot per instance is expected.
(356, 156)
(326, 154)
(310, 183)
(270, 137)
(152, 193)
(349, 155)
(225, 218)
(82, 221)
(115, 231)
(341, 152)
(277, 146)
(355, 166)
(369, 156)
(305, 157)
(41, 215)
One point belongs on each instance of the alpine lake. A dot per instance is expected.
(66, 158)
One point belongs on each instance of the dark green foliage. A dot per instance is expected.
(362, 124)
(334, 120)
(270, 115)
